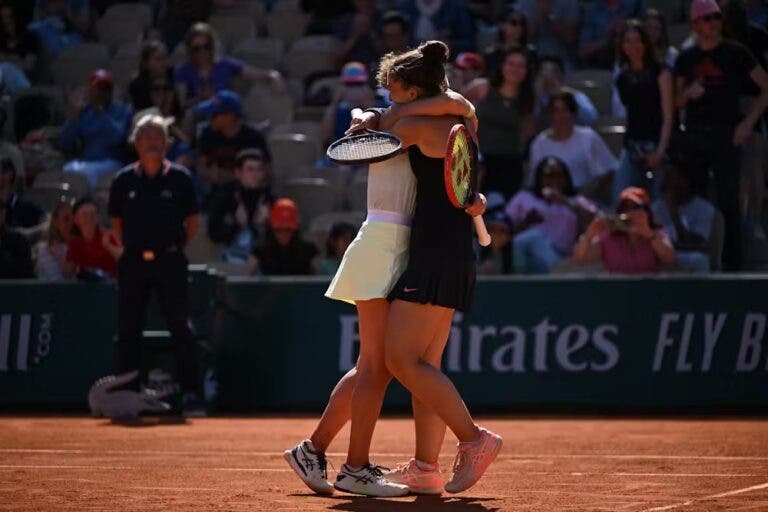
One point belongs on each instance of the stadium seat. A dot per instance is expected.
(314, 196)
(595, 83)
(125, 64)
(321, 225)
(178, 55)
(75, 64)
(115, 30)
(310, 54)
(142, 13)
(357, 192)
(678, 33)
(613, 135)
(260, 52)
(261, 104)
(322, 88)
(292, 152)
(201, 249)
(311, 129)
(232, 28)
(49, 195)
(72, 182)
(286, 25)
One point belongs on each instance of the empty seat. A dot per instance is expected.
(125, 64)
(114, 31)
(613, 135)
(72, 182)
(75, 64)
(261, 104)
(49, 195)
(232, 28)
(292, 152)
(356, 193)
(310, 54)
(314, 196)
(286, 25)
(142, 13)
(260, 52)
(311, 129)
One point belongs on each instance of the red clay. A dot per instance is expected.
(236, 464)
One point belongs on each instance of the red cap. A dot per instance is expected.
(469, 60)
(635, 195)
(701, 8)
(284, 215)
(101, 77)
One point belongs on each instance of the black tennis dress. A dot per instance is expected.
(441, 261)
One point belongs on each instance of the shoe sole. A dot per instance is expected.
(496, 450)
(372, 495)
(288, 456)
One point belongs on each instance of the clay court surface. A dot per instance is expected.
(78, 463)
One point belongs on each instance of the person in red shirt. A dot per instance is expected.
(92, 247)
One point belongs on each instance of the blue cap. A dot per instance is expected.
(223, 102)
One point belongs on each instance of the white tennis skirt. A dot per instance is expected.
(372, 263)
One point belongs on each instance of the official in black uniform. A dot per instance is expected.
(153, 207)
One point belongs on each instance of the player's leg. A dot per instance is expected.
(336, 413)
(358, 475)
(132, 297)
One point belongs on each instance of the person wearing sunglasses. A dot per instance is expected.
(206, 71)
(709, 81)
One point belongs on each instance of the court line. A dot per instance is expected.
(383, 454)
(710, 497)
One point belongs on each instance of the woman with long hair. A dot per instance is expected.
(206, 71)
(645, 88)
(505, 110)
(154, 68)
(655, 25)
(51, 263)
(91, 247)
(512, 34)
(371, 264)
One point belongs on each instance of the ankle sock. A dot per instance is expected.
(426, 466)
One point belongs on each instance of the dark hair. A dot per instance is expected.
(522, 20)
(149, 48)
(54, 235)
(655, 14)
(7, 163)
(337, 230)
(566, 96)
(248, 154)
(538, 175)
(423, 67)
(735, 21)
(398, 18)
(526, 98)
(649, 52)
(85, 200)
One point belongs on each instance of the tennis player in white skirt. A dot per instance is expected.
(372, 264)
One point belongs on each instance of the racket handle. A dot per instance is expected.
(482, 233)
(356, 112)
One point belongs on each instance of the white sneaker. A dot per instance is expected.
(472, 460)
(418, 480)
(369, 481)
(310, 466)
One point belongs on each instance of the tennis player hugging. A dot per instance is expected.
(409, 268)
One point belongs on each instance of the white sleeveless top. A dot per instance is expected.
(391, 189)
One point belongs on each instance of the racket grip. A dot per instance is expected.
(482, 232)
(356, 112)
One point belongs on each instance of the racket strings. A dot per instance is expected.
(363, 148)
(461, 169)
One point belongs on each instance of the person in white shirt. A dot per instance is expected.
(590, 161)
(51, 263)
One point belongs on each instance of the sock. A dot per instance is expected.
(426, 466)
(352, 469)
(311, 446)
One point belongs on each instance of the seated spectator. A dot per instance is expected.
(505, 112)
(553, 27)
(602, 25)
(550, 80)
(354, 91)
(96, 130)
(15, 253)
(205, 72)
(655, 25)
(57, 27)
(395, 32)
(19, 213)
(512, 33)
(629, 242)
(588, 158)
(547, 220)
(339, 238)
(283, 252)
(467, 68)
(687, 218)
(10, 150)
(323, 15)
(496, 259)
(238, 211)
(446, 20)
(356, 33)
(92, 250)
(51, 263)
(225, 136)
(12, 79)
(155, 78)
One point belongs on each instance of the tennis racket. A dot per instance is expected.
(364, 148)
(460, 175)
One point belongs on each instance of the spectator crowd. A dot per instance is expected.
(624, 136)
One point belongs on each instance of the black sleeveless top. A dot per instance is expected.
(441, 260)
(640, 93)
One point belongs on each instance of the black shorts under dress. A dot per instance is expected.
(441, 260)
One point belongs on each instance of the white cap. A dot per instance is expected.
(150, 117)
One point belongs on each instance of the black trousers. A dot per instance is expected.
(713, 149)
(136, 280)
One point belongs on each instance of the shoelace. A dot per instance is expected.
(459, 461)
(371, 473)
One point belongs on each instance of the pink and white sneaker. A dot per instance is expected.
(472, 460)
(418, 480)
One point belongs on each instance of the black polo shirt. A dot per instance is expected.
(153, 210)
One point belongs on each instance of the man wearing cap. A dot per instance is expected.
(225, 136)
(153, 208)
(709, 80)
(96, 131)
(354, 91)
(284, 253)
